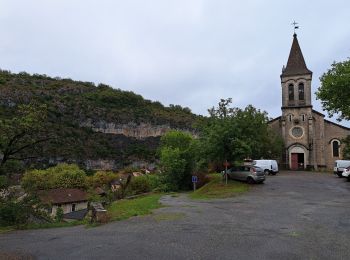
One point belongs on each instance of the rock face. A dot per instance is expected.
(138, 131)
(104, 165)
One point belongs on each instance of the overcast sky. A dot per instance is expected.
(186, 52)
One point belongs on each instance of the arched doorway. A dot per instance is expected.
(297, 158)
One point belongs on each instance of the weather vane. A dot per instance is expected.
(295, 25)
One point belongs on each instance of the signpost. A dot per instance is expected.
(194, 181)
(226, 164)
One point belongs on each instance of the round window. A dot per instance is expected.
(297, 132)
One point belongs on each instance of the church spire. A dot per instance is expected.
(296, 63)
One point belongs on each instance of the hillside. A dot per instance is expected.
(94, 125)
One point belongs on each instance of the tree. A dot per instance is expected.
(177, 159)
(22, 132)
(17, 212)
(346, 150)
(221, 135)
(61, 176)
(59, 214)
(334, 91)
(232, 134)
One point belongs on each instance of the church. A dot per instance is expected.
(310, 141)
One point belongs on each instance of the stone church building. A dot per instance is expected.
(310, 140)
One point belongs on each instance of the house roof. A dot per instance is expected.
(296, 64)
(61, 196)
(100, 191)
(79, 214)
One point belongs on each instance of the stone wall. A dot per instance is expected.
(333, 131)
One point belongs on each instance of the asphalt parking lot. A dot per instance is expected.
(294, 215)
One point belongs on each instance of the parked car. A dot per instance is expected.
(346, 173)
(250, 174)
(268, 166)
(339, 166)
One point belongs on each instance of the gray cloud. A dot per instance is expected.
(187, 52)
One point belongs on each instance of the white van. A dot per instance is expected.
(268, 166)
(340, 165)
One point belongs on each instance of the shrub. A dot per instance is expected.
(138, 185)
(61, 176)
(17, 212)
(4, 182)
(177, 159)
(101, 179)
(59, 214)
(12, 167)
(155, 181)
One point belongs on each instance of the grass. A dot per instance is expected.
(6, 229)
(55, 224)
(118, 210)
(217, 189)
(40, 226)
(124, 209)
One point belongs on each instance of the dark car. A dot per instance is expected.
(250, 174)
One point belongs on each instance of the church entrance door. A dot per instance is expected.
(297, 161)
(294, 161)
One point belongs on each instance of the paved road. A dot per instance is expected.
(291, 216)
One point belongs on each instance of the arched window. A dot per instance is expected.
(303, 117)
(335, 148)
(291, 92)
(290, 117)
(301, 91)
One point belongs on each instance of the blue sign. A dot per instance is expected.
(194, 179)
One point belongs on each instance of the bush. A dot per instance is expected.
(138, 185)
(12, 167)
(101, 179)
(61, 176)
(155, 181)
(4, 182)
(14, 212)
(174, 166)
(59, 214)
(177, 159)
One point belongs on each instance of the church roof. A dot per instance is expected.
(296, 64)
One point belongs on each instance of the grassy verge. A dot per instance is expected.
(39, 226)
(6, 229)
(118, 210)
(124, 209)
(216, 189)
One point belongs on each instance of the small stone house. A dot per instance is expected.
(74, 202)
(116, 185)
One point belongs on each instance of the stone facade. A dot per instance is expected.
(310, 140)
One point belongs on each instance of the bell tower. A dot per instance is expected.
(296, 79)
(297, 120)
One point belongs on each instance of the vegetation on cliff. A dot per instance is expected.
(71, 104)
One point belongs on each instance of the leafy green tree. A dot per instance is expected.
(17, 212)
(22, 132)
(346, 150)
(334, 91)
(4, 182)
(174, 166)
(102, 179)
(232, 134)
(177, 159)
(59, 214)
(61, 176)
(221, 135)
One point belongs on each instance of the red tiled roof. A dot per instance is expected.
(61, 196)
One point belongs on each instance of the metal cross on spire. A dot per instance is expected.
(295, 26)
